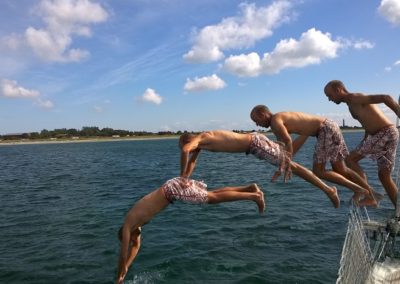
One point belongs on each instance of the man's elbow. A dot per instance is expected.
(287, 142)
(185, 152)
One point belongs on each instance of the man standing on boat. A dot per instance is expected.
(381, 136)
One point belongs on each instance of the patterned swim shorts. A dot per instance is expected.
(266, 149)
(381, 147)
(330, 145)
(185, 190)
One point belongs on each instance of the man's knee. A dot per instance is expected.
(211, 198)
(353, 158)
(318, 170)
(340, 167)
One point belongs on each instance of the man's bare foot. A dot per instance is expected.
(260, 202)
(254, 188)
(368, 201)
(333, 196)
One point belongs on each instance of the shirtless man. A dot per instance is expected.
(381, 136)
(176, 189)
(257, 144)
(330, 147)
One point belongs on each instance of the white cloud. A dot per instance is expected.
(363, 44)
(53, 47)
(98, 109)
(63, 20)
(46, 104)
(312, 48)
(244, 65)
(151, 96)
(389, 68)
(71, 15)
(11, 89)
(238, 32)
(11, 42)
(212, 82)
(390, 9)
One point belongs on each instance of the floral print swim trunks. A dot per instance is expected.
(330, 145)
(381, 147)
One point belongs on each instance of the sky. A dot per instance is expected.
(169, 65)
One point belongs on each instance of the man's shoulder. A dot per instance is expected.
(285, 115)
(350, 97)
(282, 115)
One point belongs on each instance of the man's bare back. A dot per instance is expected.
(297, 122)
(146, 208)
(224, 141)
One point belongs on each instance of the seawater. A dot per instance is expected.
(62, 204)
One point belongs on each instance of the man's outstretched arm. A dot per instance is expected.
(123, 257)
(186, 168)
(298, 143)
(133, 251)
(375, 99)
(184, 162)
(192, 162)
(282, 135)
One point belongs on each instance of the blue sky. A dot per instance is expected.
(159, 65)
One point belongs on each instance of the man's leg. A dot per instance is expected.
(333, 176)
(352, 162)
(308, 175)
(370, 199)
(229, 194)
(246, 188)
(389, 185)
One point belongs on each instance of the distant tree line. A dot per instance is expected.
(85, 132)
(93, 131)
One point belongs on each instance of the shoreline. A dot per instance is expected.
(83, 140)
(109, 139)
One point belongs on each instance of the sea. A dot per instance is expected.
(62, 205)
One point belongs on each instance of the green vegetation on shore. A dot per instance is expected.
(94, 132)
(84, 133)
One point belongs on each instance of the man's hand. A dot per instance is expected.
(121, 278)
(276, 175)
(287, 174)
(284, 167)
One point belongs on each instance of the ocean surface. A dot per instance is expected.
(62, 204)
